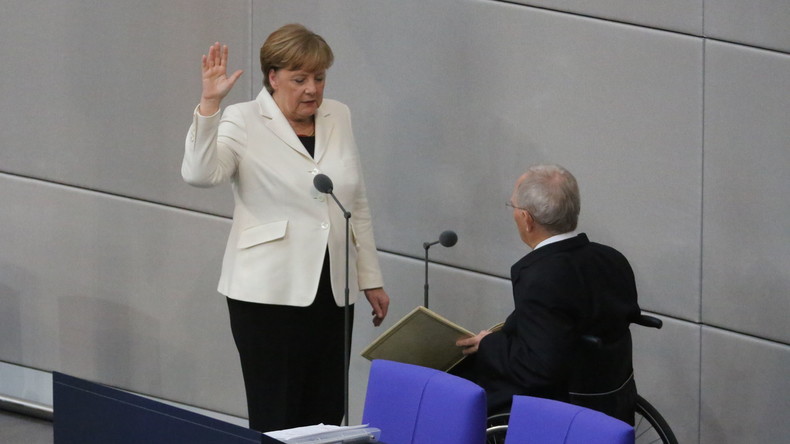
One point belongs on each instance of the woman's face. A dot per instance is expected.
(297, 93)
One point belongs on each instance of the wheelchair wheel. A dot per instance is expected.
(649, 426)
(496, 428)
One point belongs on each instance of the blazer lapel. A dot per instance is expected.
(324, 125)
(276, 122)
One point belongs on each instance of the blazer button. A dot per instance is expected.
(324, 225)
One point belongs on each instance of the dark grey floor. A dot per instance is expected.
(19, 429)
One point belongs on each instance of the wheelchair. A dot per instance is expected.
(649, 425)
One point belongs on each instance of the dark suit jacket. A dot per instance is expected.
(561, 292)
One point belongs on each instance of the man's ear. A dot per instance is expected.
(529, 222)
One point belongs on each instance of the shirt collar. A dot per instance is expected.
(555, 238)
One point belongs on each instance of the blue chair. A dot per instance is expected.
(419, 405)
(545, 421)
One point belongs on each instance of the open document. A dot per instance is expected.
(422, 338)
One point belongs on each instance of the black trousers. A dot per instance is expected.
(292, 360)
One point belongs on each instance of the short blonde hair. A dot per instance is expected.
(294, 47)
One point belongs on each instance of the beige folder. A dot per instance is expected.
(423, 338)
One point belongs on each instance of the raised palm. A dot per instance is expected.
(216, 82)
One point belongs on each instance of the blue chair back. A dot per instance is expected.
(418, 405)
(545, 421)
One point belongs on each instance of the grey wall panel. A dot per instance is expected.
(744, 389)
(449, 110)
(475, 301)
(746, 267)
(116, 291)
(676, 15)
(103, 92)
(667, 367)
(763, 23)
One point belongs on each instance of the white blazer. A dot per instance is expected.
(281, 223)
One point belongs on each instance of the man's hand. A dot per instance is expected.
(470, 345)
(380, 302)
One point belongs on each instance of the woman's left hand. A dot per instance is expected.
(380, 302)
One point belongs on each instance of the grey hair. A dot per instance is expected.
(551, 195)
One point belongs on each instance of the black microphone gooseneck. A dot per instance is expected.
(447, 239)
(323, 183)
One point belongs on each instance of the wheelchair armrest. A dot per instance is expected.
(648, 321)
(644, 320)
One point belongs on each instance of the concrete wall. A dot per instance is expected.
(672, 114)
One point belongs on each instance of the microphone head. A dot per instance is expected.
(448, 238)
(323, 183)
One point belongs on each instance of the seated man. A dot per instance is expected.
(564, 289)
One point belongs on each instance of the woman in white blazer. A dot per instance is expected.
(283, 272)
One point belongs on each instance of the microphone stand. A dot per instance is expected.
(324, 184)
(448, 238)
(346, 317)
(426, 245)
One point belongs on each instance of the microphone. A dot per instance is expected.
(323, 183)
(448, 238)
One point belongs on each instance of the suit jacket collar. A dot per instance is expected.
(276, 122)
(536, 255)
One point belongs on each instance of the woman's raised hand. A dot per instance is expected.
(216, 83)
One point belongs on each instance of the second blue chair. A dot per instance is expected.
(544, 421)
